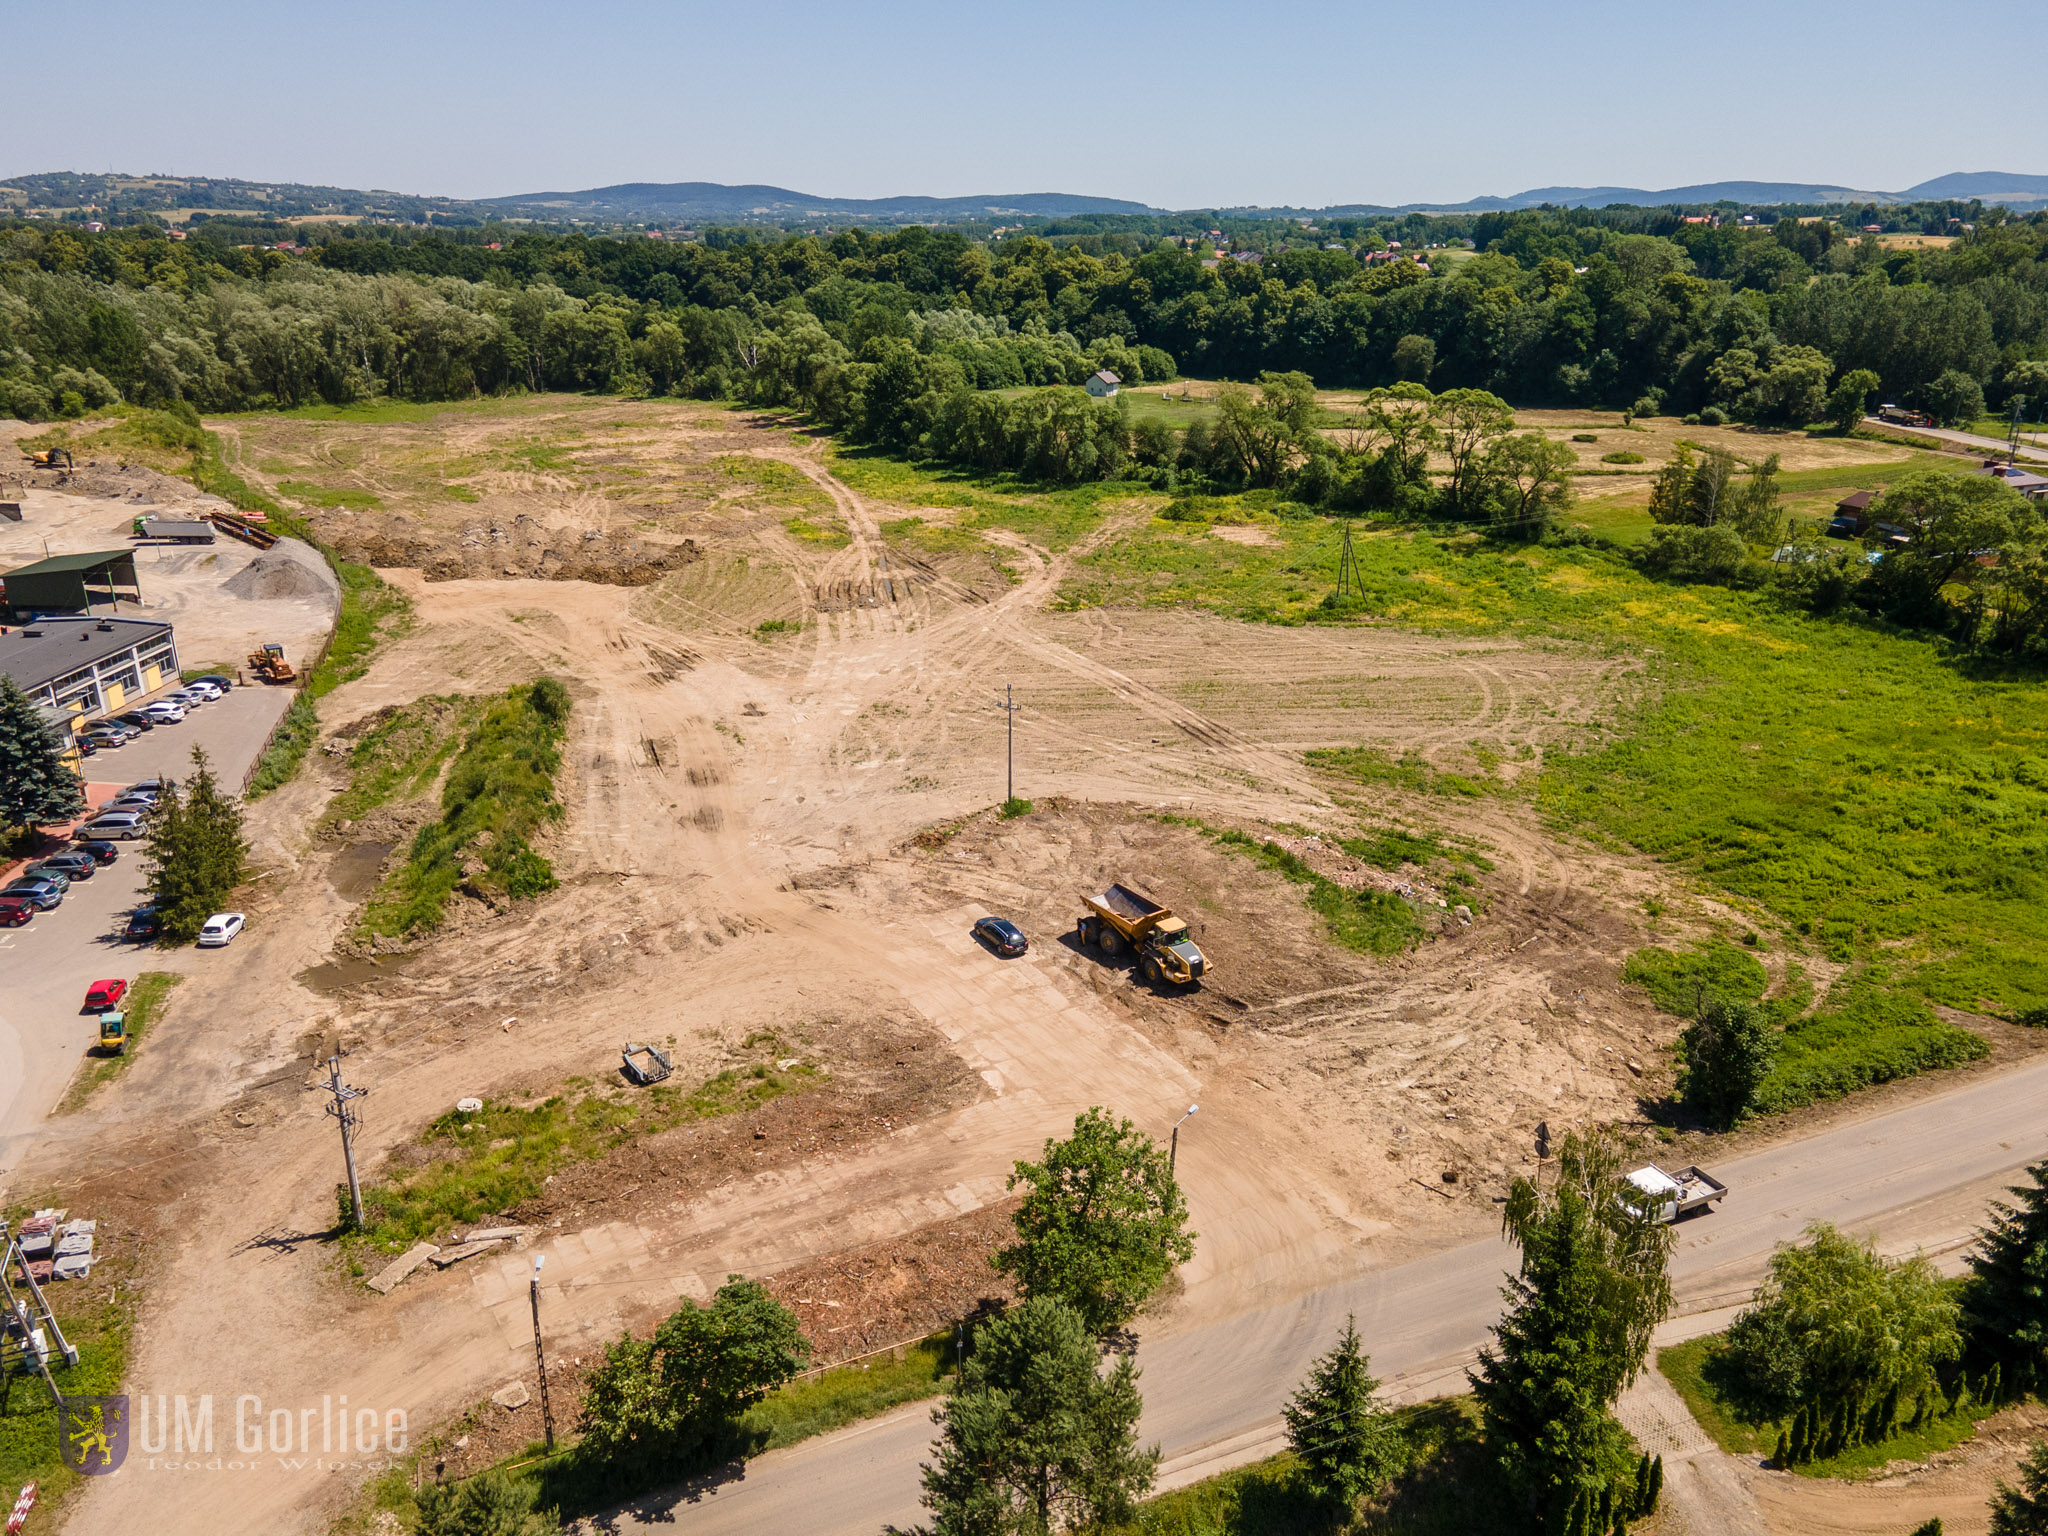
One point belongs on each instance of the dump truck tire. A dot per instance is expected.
(1152, 971)
(1111, 943)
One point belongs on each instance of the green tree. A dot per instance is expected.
(2023, 1511)
(196, 852)
(1949, 519)
(35, 786)
(1034, 1438)
(1343, 1436)
(490, 1504)
(1592, 1287)
(2005, 1300)
(1955, 398)
(1102, 1223)
(1414, 359)
(1532, 480)
(1838, 1329)
(1671, 493)
(1730, 1048)
(1794, 389)
(666, 1403)
(1850, 397)
(1467, 421)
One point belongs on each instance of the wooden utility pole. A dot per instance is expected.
(342, 1109)
(1010, 709)
(1350, 580)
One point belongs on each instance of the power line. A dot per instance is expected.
(342, 1109)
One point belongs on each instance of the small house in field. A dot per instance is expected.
(1102, 384)
(2030, 485)
(1851, 513)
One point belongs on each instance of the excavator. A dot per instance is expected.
(270, 665)
(49, 458)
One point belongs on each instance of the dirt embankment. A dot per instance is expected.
(521, 546)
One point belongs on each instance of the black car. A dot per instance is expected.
(72, 866)
(43, 895)
(136, 721)
(1002, 936)
(103, 852)
(143, 923)
(220, 680)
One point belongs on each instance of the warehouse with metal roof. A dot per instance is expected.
(72, 583)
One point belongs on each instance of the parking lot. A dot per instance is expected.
(46, 966)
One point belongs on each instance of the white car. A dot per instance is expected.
(164, 712)
(205, 687)
(220, 929)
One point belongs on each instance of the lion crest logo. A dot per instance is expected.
(92, 1433)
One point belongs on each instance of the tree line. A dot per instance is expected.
(1550, 308)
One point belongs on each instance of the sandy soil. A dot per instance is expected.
(743, 852)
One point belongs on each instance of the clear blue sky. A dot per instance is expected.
(1178, 105)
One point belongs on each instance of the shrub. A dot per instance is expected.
(1713, 416)
(1684, 552)
(1730, 1048)
(1621, 456)
(1585, 437)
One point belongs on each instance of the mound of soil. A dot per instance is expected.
(129, 482)
(485, 549)
(274, 576)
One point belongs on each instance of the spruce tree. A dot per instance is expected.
(1782, 1456)
(36, 788)
(2023, 1511)
(1656, 1484)
(196, 853)
(1639, 1506)
(1344, 1438)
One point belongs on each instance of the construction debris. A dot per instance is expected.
(512, 1397)
(461, 1251)
(387, 1279)
(656, 1067)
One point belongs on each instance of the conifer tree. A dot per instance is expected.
(2023, 1511)
(196, 852)
(1342, 1435)
(35, 786)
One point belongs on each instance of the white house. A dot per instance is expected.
(1102, 384)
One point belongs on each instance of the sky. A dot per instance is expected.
(1188, 105)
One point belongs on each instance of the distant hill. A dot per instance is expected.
(708, 202)
(179, 198)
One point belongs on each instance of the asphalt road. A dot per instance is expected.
(46, 966)
(2031, 448)
(1915, 1176)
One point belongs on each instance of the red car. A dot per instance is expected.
(102, 995)
(14, 911)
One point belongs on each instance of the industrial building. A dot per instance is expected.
(72, 583)
(89, 666)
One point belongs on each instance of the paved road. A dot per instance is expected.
(1918, 1175)
(46, 966)
(2031, 449)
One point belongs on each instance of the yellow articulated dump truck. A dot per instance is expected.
(1122, 918)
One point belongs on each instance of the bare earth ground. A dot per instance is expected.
(742, 854)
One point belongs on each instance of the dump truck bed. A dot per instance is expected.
(1123, 902)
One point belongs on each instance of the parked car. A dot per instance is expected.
(86, 745)
(1002, 936)
(36, 871)
(164, 712)
(15, 910)
(219, 680)
(103, 740)
(136, 721)
(150, 786)
(102, 995)
(110, 728)
(141, 805)
(42, 894)
(124, 826)
(220, 929)
(72, 866)
(102, 852)
(207, 687)
(143, 923)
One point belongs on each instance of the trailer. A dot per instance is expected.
(1677, 1193)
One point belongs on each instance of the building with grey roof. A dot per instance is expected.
(89, 666)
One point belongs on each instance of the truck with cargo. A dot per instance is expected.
(1124, 918)
(1679, 1192)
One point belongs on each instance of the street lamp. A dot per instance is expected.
(1173, 1145)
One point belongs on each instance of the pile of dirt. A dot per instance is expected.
(126, 482)
(274, 576)
(485, 549)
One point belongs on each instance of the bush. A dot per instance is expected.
(1585, 437)
(1713, 416)
(1683, 552)
(1651, 404)
(1730, 1048)
(1621, 456)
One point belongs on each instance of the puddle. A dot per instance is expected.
(353, 872)
(339, 976)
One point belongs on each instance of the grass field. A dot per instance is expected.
(140, 1008)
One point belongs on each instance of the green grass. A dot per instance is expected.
(1368, 921)
(934, 538)
(499, 792)
(1055, 517)
(141, 1007)
(1015, 806)
(1713, 968)
(1179, 414)
(832, 535)
(484, 1165)
(1369, 765)
(816, 1405)
(401, 755)
(96, 1319)
(768, 629)
(1685, 1367)
(331, 496)
(773, 480)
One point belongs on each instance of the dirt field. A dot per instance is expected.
(788, 831)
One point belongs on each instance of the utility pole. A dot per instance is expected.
(547, 1412)
(344, 1098)
(1173, 1144)
(2012, 437)
(1350, 580)
(1010, 709)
